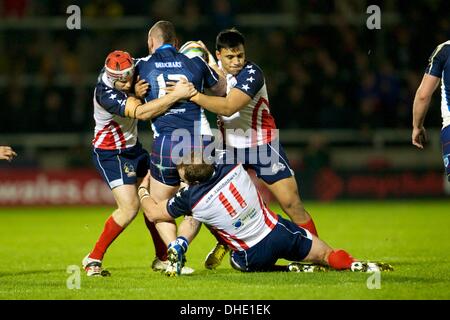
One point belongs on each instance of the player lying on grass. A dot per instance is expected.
(117, 152)
(224, 198)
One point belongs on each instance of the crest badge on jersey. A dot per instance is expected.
(276, 167)
(129, 170)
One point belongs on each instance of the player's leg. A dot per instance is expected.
(142, 165)
(158, 243)
(160, 192)
(187, 230)
(117, 167)
(168, 230)
(164, 183)
(279, 178)
(127, 208)
(338, 259)
(286, 193)
(298, 244)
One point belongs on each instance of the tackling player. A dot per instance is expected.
(249, 130)
(184, 127)
(117, 153)
(438, 70)
(224, 198)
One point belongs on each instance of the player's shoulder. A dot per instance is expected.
(102, 89)
(197, 60)
(251, 69)
(251, 65)
(444, 44)
(442, 49)
(137, 61)
(194, 63)
(184, 193)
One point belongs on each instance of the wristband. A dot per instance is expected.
(146, 193)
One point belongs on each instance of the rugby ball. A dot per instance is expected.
(192, 49)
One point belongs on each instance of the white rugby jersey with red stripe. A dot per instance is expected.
(253, 125)
(230, 204)
(113, 131)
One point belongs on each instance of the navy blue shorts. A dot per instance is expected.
(269, 161)
(286, 241)
(167, 152)
(445, 140)
(124, 166)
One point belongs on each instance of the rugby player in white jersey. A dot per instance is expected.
(437, 70)
(117, 152)
(249, 130)
(223, 197)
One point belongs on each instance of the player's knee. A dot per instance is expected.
(129, 210)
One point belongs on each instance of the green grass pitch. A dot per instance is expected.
(38, 244)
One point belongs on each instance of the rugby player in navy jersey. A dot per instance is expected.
(224, 198)
(117, 152)
(184, 126)
(438, 70)
(249, 130)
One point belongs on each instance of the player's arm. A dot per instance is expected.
(134, 108)
(224, 106)
(220, 88)
(430, 81)
(154, 211)
(420, 108)
(163, 211)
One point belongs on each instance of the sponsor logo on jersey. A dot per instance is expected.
(129, 170)
(245, 218)
(276, 167)
(237, 224)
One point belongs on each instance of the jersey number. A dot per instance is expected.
(238, 198)
(162, 83)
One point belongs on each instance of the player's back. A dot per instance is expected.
(231, 204)
(166, 64)
(113, 130)
(439, 66)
